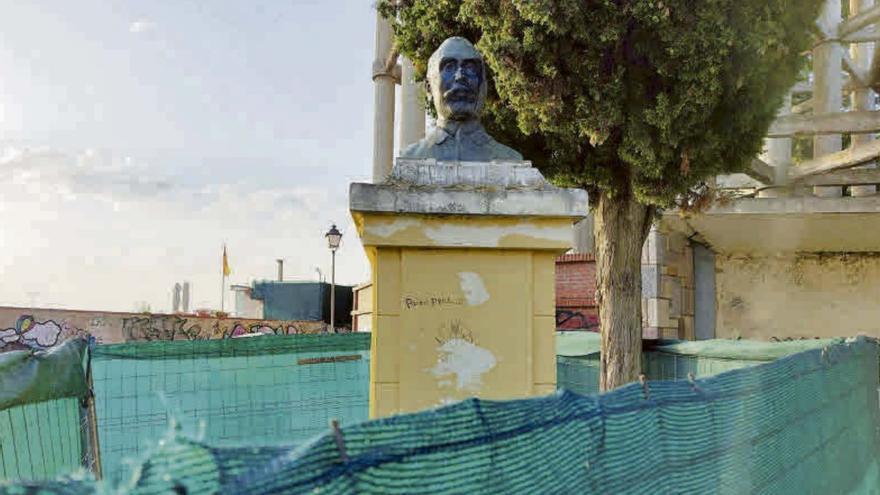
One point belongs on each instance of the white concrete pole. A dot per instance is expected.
(383, 102)
(828, 87)
(777, 153)
(412, 106)
(862, 98)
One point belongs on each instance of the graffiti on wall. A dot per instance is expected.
(567, 319)
(32, 334)
(48, 328)
(173, 327)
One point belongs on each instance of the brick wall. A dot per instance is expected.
(667, 289)
(576, 292)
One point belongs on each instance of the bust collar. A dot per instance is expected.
(472, 130)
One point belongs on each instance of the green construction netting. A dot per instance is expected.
(40, 412)
(808, 423)
(257, 391)
(27, 377)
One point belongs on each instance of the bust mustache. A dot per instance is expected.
(461, 102)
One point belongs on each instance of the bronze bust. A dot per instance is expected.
(457, 84)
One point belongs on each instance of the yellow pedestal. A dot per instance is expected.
(463, 306)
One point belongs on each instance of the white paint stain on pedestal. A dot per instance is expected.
(465, 362)
(473, 287)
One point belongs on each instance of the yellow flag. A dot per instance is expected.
(226, 270)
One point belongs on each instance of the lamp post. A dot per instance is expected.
(334, 237)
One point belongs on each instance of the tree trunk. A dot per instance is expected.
(621, 227)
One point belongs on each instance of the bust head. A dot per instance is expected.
(457, 80)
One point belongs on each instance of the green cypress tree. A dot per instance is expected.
(637, 101)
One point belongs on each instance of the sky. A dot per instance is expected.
(137, 137)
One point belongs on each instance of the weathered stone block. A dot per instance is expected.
(668, 283)
(687, 267)
(650, 333)
(688, 301)
(498, 174)
(650, 281)
(669, 333)
(686, 328)
(654, 248)
(658, 312)
(659, 252)
(672, 262)
(675, 242)
(467, 188)
(675, 296)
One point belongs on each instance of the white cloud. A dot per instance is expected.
(97, 231)
(91, 172)
(141, 26)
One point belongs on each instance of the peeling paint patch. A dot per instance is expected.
(445, 401)
(481, 235)
(390, 228)
(474, 290)
(467, 362)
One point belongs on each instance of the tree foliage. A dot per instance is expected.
(634, 97)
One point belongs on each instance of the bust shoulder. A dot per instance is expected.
(503, 152)
(416, 150)
(423, 148)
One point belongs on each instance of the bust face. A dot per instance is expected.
(456, 80)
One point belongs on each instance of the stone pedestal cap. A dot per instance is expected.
(500, 188)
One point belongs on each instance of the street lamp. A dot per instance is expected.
(334, 237)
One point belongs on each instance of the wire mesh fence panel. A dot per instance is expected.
(258, 391)
(677, 360)
(41, 440)
(579, 374)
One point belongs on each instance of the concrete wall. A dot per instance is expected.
(361, 318)
(667, 286)
(38, 328)
(576, 307)
(798, 296)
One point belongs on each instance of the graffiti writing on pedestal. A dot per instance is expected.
(414, 302)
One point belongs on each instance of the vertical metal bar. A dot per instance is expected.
(91, 455)
(333, 292)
